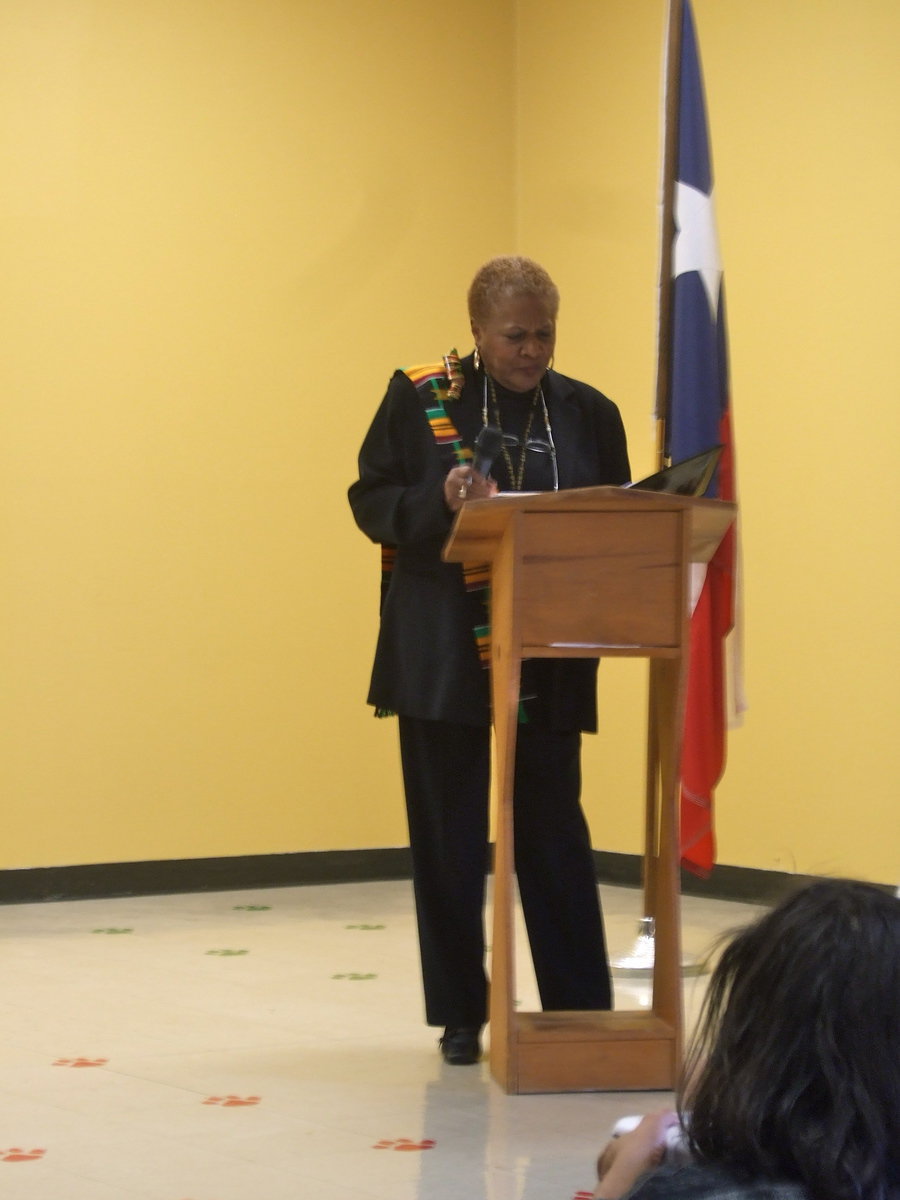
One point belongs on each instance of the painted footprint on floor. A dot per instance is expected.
(18, 1155)
(81, 1062)
(403, 1144)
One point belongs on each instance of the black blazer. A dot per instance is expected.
(426, 662)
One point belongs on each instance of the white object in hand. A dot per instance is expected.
(676, 1153)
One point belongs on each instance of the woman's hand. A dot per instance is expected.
(462, 483)
(628, 1156)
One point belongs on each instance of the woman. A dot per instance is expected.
(415, 473)
(793, 1083)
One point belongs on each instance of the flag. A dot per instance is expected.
(697, 416)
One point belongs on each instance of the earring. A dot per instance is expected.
(477, 359)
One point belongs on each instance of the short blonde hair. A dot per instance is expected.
(510, 275)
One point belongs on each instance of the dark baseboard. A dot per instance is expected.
(95, 881)
(747, 884)
(99, 880)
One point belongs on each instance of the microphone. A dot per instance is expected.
(487, 446)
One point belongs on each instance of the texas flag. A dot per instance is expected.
(698, 417)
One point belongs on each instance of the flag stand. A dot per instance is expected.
(638, 964)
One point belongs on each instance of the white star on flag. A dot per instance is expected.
(696, 246)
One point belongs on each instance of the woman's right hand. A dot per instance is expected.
(462, 484)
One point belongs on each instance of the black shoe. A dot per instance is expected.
(461, 1047)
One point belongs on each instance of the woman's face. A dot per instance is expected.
(516, 341)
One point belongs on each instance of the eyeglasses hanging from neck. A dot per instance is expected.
(517, 448)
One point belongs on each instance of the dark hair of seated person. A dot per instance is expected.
(795, 1071)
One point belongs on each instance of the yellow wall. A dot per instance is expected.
(804, 105)
(227, 220)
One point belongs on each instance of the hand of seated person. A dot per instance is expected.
(627, 1157)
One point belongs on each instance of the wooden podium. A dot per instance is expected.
(586, 573)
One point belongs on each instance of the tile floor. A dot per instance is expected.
(269, 1045)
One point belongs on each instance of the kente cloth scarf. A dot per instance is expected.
(438, 383)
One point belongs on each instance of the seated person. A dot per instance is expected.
(792, 1085)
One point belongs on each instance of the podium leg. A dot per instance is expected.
(505, 678)
(651, 819)
(666, 682)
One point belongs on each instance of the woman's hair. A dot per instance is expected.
(795, 1071)
(510, 276)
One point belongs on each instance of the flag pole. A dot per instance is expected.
(671, 99)
(642, 956)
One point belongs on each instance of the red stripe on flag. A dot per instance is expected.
(705, 720)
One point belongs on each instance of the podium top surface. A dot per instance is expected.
(480, 524)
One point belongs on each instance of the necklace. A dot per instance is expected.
(517, 473)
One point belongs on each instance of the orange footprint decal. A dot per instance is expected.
(18, 1155)
(81, 1062)
(403, 1144)
(231, 1101)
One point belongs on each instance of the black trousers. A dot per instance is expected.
(446, 774)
